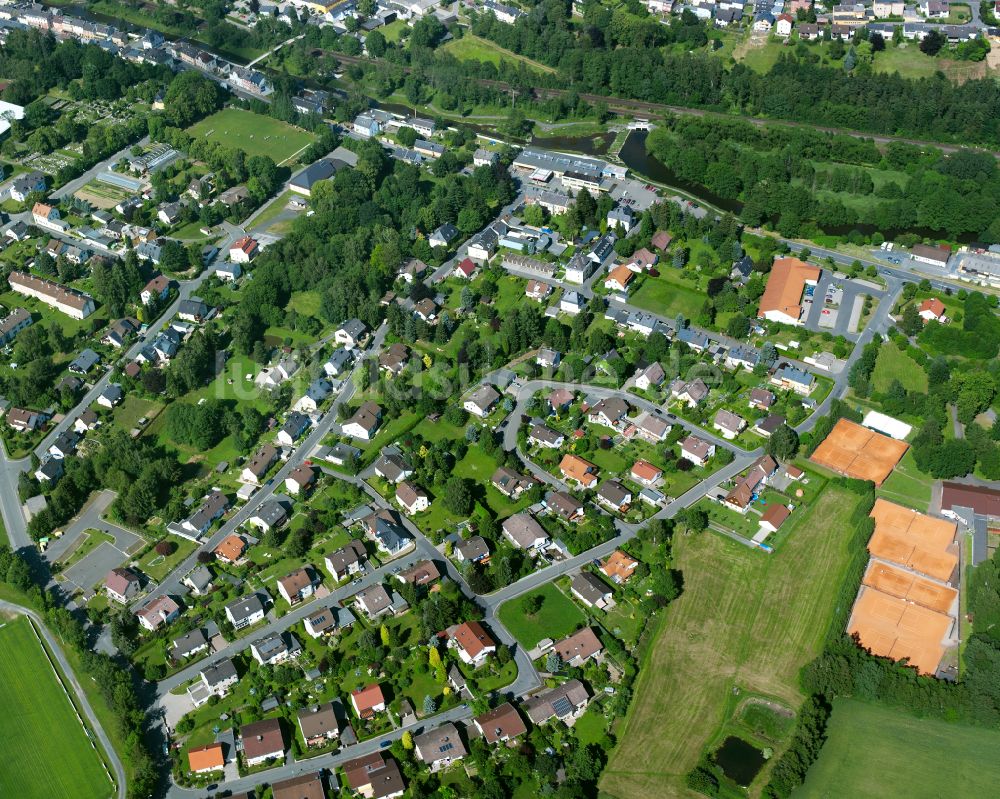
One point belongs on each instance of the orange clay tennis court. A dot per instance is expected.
(894, 628)
(914, 540)
(902, 584)
(858, 452)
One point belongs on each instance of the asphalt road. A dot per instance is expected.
(81, 697)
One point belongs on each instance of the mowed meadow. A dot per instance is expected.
(746, 620)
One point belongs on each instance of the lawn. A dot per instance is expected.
(894, 364)
(745, 620)
(907, 485)
(275, 208)
(471, 48)
(253, 133)
(46, 751)
(158, 567)
(667, 296)
(873, 752)
(134, 408)
(557, 617)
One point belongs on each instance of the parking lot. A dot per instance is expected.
(92, 569)
(833, 304)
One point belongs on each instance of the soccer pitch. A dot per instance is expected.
(45, 751)
(253, 133)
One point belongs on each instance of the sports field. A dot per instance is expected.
(44, 750)
(875, 752)
(745, 619)
(253, 133)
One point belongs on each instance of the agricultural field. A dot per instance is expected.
(557, 617)
(746, 620)
(39, 727)
(472, 48)
(253, 133)
(873, 751)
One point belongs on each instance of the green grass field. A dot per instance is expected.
(894, 364)
(253, 133)
(745, 620)
(668, 296)
(874, 752)
(45, 751)
(472, 48)
(558, 617)
(907, 485)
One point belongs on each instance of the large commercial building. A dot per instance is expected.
(781, 301)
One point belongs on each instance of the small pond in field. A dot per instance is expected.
(739, 760)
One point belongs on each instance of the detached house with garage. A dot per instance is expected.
(121, 585)
(299, 585)
(482, 401)
(262, 741)
(524, 531)
(577, 470)
(501, 725)
(472, 643)
(697, 450)
(440, 747)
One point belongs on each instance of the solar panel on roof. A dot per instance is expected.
(562, 706)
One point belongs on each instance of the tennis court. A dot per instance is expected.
(858, 452)
(914, 540)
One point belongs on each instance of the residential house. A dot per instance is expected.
(299, 585)
(645, 473)
(392, 468)
(393, 359)
(227, 272)
(157, 613)
(374, 776)
(741, 356)
(364, 423)
(783, 24)
(791, 379)
(619, 567)
(245, 611)
(619, 278)
(440, 747)
(609, 412)
(661, 240)
(326, 621)
(203, 759)
(614, 496)
(188, 645)
(214, 507)
(443, 236)
(111, 396)
(411, 497)
(472, 643)
(623, 217)
(23, 420)
(591, 590)
(572, 302)
(576, 649)
(547, 359)
(120, 331)
(475, 550)
(566, 702)
(219, 677)
(64, 444)
(274, 649)
(199, 580)
(412, 269)
(49, 470)
(374, 601)
(388, 532)
(697, 450)
(482, 401)
(932, 310)
(295, 425)
(156, 290)
(368, 701)
(650, 377)
(510, 483)
(501, 725)
(426, 310)
(351, 334)
(269, 515)
(537, 290)
(230, 549)
(305, 786)
(86, 421)
(121, 585)
(765, 427)
(423, 572)
(318, 724)
(728, 424)
(192, 310)
(565, 506)
(761, 399)
(483, 245)
(692, 393)
(693, 339)
(339, 362)
(69, 301)
(12, 324)
(262, 741)
(576, 469)
(652, 428)
(301, 479)
(259, 465)
(524, 531)
(773, 517)
(348, 560)
(544, 436)
(465, 268)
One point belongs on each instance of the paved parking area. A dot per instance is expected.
(835, 316)
(93, 568)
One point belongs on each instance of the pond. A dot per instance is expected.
(739, 761)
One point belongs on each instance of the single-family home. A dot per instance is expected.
(393, 358)
(351, 334)
(339, 362)
(121, 585)
(262, 741)
(609, 412)
(259, 464)
(219, 677)
(295, 425)
(203, 759)
(275, 648)
(760, 398)
(443, 236)
(576, 649)
(547, 359)
(475, 550)
(411, 497)
(591, 590)
(619, 567)
(472, 643)
(650, 377)
(482, 401)
(773, 517)
(645, 473)
(188, 645)
(348, 560)
(537, 290)
(365, 422)
(156, 290)
(576, 469)
(510, 483)
(318, 724)
(524, 531)
(368, 701)
(299, 585)
(565, 702)
(244, 250)
(697, 450)
(691, 393)
(790, 378)
(619, 278)
(300, 480)
(503, 724)
(565, 506)
(614, 496)
(245, 611)
(374, 601)
(111, 396)
(439, 747)
(392, 468)
(162, 610)
(465, 268)
(230, 549)
(932, 310)
(728, 423)
(543, 436)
